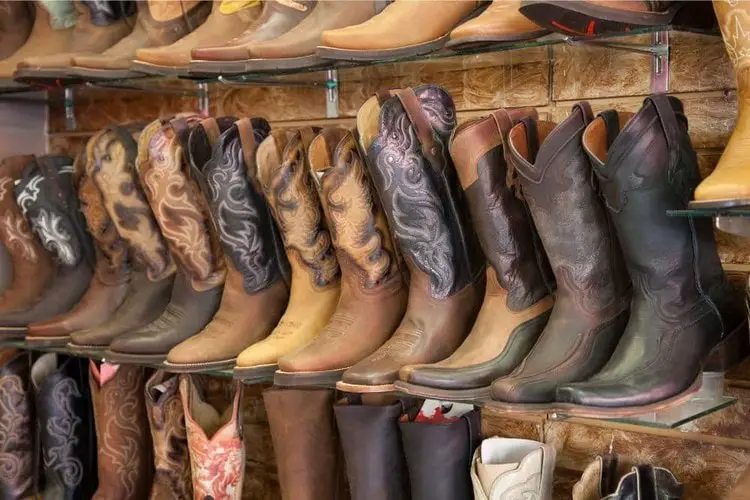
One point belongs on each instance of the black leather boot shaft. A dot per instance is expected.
(106, 12)
(647, 482)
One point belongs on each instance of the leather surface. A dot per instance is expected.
(371, 440)
(501, 19)
(438, 457)
(123, 440)
(172, 477)
(681, 302)
(108, 11)
(16, 22)
(307, 451)
(647, 482)
(17, 448)
(373, 288)
(593, 295)
(66, 426)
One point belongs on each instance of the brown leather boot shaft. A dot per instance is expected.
(15, 26)
(17, 448)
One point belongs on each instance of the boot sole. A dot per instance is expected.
(479, 394)
(479, 40)
(373, 55)
(327, 378)
(714, 204)
(157, 70)
(199, 367)
(288, 63)
(261, 373)
(89, 351)
(104, 74)
(364, 389)
(135, 359)
(13, 332)
(56, 76)
(47, 341)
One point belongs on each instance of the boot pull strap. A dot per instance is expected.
(247, 140)
(532, 138)
(382, 96)
(585, 108)
(670, 124)
(182, 131)
(421, 123)
(503, 122)
(612, 123)
(646, 483)
(211, 127)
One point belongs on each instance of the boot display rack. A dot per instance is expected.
(709, 399)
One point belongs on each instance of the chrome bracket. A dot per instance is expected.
(70, 109)
(332, 93)
(203, 100)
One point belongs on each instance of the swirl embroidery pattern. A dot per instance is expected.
(49, 227)
(18, 235)
(15, 437)
(62, 428)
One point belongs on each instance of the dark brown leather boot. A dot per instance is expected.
(17, 450)
(113, 171)
(111, 279)
(307, 452)
(517, 301)
(682, 305)
(47, 198)
(593, 290)
(182, 212)
(32, 266)
(371, 439)
(123, 440)
(65, 426)
(256, 291)
(429, 215)
(15, 26)
(373, 291)
(217, 448)
(172, 477)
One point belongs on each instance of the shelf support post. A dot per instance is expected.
(203, 100)
(332, 93)
(70, 109)
(660, 68)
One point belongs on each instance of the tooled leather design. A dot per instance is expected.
(114, 173)
(61, 428)
(179, 210)
(16, 448)
(104, 12)
(529, 489)
(357, 224)
(296, 208)
(14, 229)
(419, 200)
(241, 214)
(735, 29)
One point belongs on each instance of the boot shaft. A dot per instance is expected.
(163, 22)
(15, 26)
(101, 24)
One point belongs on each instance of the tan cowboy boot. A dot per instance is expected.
(373, 288)
(729, 184)
(256, 292)
(501, 22)
(100, 25)
(159, 23)
(16, 21)
(228, 19)
(384, 36)
(286, 182)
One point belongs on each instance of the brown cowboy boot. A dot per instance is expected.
(100, 25)
(16, 22)
(167, 420)
(373, 289)
(428, 214)
(500, 22)
(159, 23)
(256, 292)
(32, 265)
(286, 182)
(114, 173)
(517, 301)
(17, 448)
(182, 213)
(228, 19)
(124, 462)
(111, 279)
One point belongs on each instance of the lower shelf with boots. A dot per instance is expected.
(255, 292)
(373, 290)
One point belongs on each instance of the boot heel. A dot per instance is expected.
(730, 351)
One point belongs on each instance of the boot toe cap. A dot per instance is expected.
(163, 57)
(441, 378)
(384, 372)
(520, 391)
(139, 342)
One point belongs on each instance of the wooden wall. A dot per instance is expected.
(707, 455)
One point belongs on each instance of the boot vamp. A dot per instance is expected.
(57, 41)
(501, 19)
(119, 55)
(573, 346)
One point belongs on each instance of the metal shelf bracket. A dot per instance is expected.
(70, 109)
(332, 93)
(203, 99)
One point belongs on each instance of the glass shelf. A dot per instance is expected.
(711, 212)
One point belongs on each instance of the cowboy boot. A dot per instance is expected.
(505, 468)
(593, 290)
(682, 307)
(124, 457)
(296, 48)
(47, 198)
(110, 282)
(182, 212)
(285, 180)
(429, 216)
(6, 269)
(729, 185)
(501, 22)
(100, 25)
(384, 36)
(215, 441)
(647, 482)
(740, 491)
(438, 456)
(276, 18)
(17, 453)
(167, 421)
(373, 289)
(159, 23)
(113, 171)
(371, 441)
(228, 20)
(517, 301)
(307, 452)
(600, 478)
(52, 33)
(256, 292)
(15, 26)
(65, 426)
(32, 265)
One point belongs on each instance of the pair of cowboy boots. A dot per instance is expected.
(606, 478)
